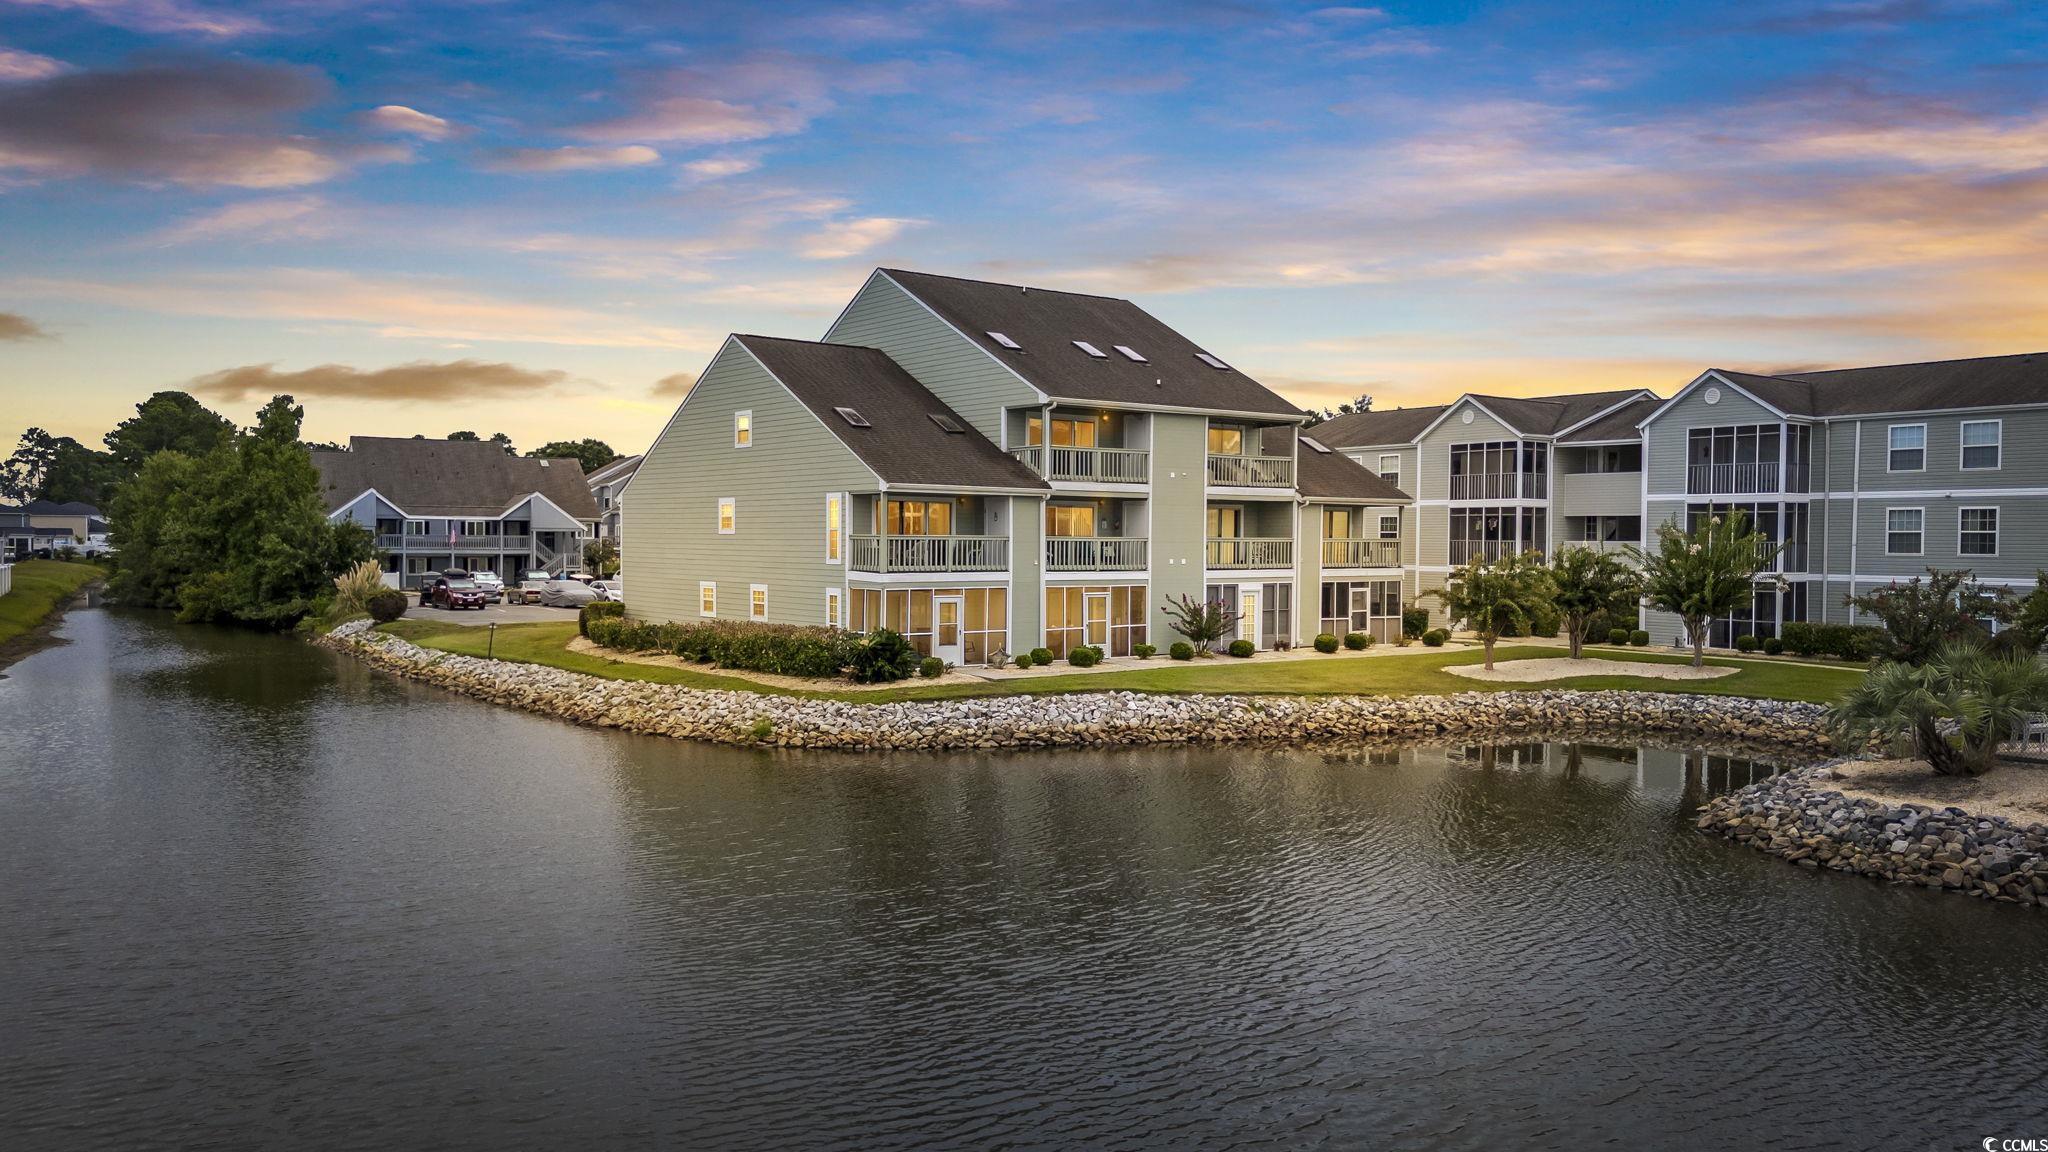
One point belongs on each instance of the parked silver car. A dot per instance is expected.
(492, 584)
(609, 589)
(566, 594)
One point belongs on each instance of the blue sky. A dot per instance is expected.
(542, 218)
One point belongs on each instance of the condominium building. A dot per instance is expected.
(993, 468)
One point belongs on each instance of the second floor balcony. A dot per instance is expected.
(1362, 553)
(1755, 476)
(1087, 465)
(1251, 471)
(392, 542)
(1250, 552)
(930, 553)
(1096, 554)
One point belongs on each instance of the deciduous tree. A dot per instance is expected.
(1491, 597)
(1707, 572)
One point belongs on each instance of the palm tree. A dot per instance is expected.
(1489, 597)
(1588, 584)
(1956, 709)
(1705, 573)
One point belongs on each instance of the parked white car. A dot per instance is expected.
(566, 594)
(608, 589)
(492, 584)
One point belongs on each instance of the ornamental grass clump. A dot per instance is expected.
(353, 589)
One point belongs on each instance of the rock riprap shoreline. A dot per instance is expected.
(1800, 817)
(1082, 719)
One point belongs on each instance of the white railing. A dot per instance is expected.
(1251, 471)
(1250, 552)
(1758, 477)
(392, 543)
(1485, 486)
(931, 553)
(1465, 551)
(1373, 553)
(1102, 465)
(1094, 554)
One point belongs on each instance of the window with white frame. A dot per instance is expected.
(834, 618)
(1390, 526)
(707, 599)
(1982, 444)
(1977, 532)
(1904, 531)
(835, 515)
(728, 515)
(1390, 468)
(743, 429)
(1907, 446)
(757, 601)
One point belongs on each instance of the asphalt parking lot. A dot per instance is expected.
(490, 614)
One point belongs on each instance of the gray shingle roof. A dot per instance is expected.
(1547, 415)
(1335, 476)
(1375, 428)
(902, 444)
(1980, 382)
(1046, 323)
(1619, 424)
(449, 477)
(615, 471)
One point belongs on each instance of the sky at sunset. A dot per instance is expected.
(543, 218)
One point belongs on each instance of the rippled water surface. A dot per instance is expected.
(253, 896)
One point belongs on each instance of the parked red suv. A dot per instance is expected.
(459, 594)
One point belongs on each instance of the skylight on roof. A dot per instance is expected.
(1090, 349)
(1131, 353)
(946, 422)
(852, 417)
(1005, 341)
(1211, 361)
(1315, 444)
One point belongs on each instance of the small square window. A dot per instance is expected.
(728, 515)
(1982, 445)
(1390, 527)
(833, 616)
(757, 601)
(1904, 531)
(742, 429)
(1977, 533)
(1908, 448)
(707, 599)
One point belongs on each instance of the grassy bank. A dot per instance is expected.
(1409, 674)
(40, 586)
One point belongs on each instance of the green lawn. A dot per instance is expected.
(1412, 674)
(39, 587)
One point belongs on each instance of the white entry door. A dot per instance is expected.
(1096, 631)
(946, 639)
(1248, 615)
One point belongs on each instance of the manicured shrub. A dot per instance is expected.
(881, 656)
(1023, 659)
(1546, 622)
(1801, 638)
(595, 609)
(1414, 621)
(1041, 656)
(1745, 643)
(1358, 641)
(1617, 636)
(1773, 645)
(1242, 649)
(1082, 656)
(1639, 638)
(1143, 651)
(1325, 642)
(386, 606)
(1435, 637)
(931, 667)
(1181, 650)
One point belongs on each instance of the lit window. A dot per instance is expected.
(1090, 349)
(1908, 446)
(833, 617)
(1005, 341)
(1131, 353)
(834, 516)
(742, 429)
(728, 515)
(1978, 532)
(707, 599)
(1904, 530)
(757, 601)
(1981, 440)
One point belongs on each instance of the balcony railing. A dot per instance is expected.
(1094, 554)
(1486, 486)
(931, 553)
(1101, 465)
(439, 543)
(1249, 551)
(1373, 553)
(1602, 545)
(1713, 478)
(1251, 471)
(1466, 551)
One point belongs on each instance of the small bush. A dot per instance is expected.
(1082, 656)
(1181, 650)
(931, 667)
(1023, 659)
(1639, 638)
(1414, 622)
(1325, 642)
(1358, 641)
(1242, 649)
(1041, 656)
(881, 656)
(1617, 636)
(1745, 643)
(763, 730)
(594, 610)
(1773, 645)
(1546, 622)
(1801, 638)
(1435, 637)
(386, 606)
(1143, 651)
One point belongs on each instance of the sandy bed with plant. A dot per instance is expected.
(2018, 792)
(1565, 668)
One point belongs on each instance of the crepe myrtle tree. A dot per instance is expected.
(1203, 622)
(1707, 572)
(1587, 584)
(1490, 597)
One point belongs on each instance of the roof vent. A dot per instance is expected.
(1090, 349)
(543, 462)
(1131, 353)
(946, 422)
(1005, 341)
(1211, 361)
(1315, 444)
(853, 418)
